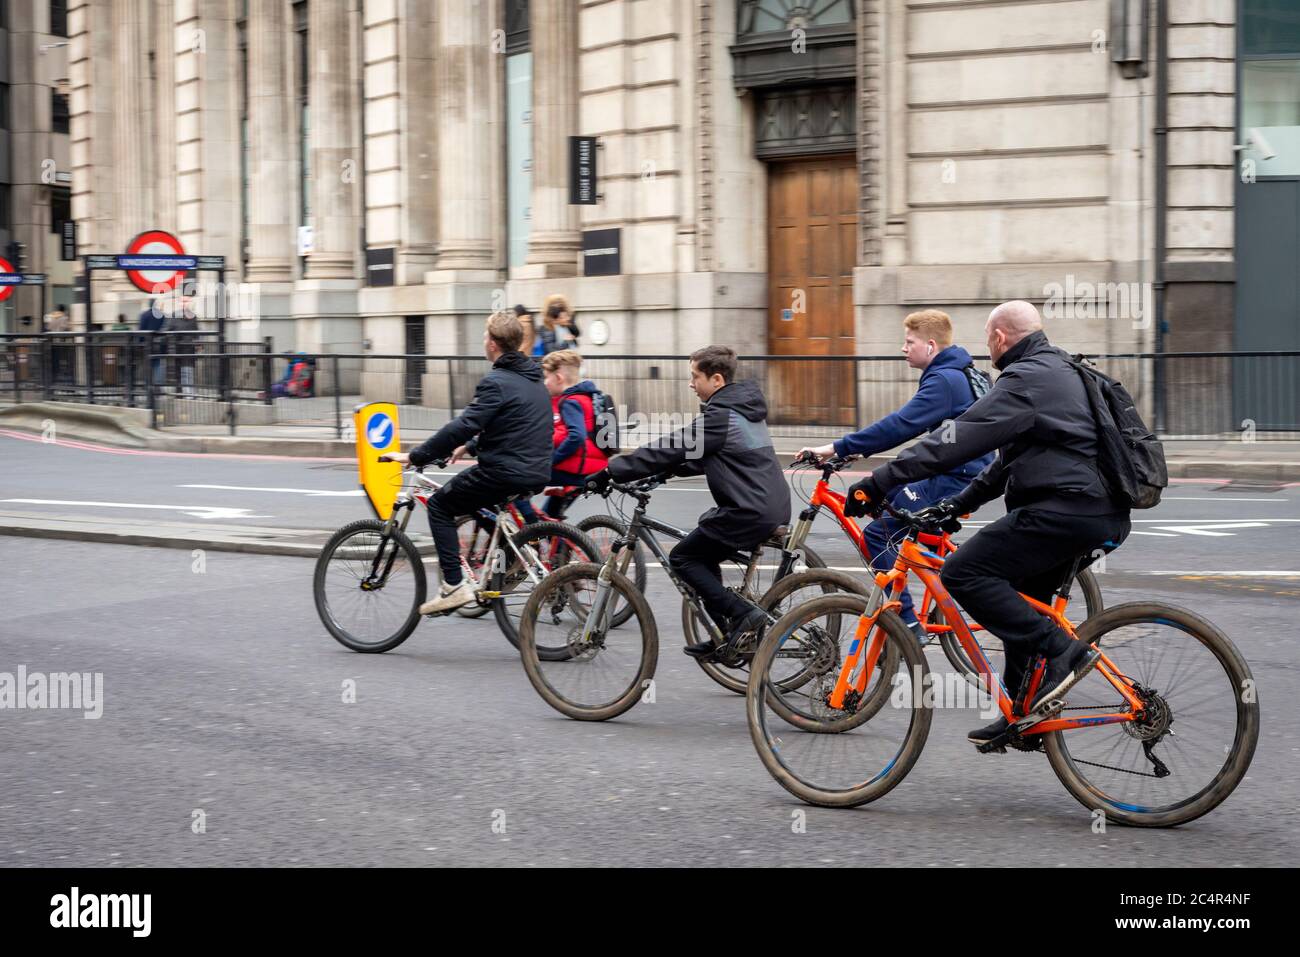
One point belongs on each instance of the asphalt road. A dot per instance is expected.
(223, 694)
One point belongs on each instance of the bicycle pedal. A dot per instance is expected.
(992, 747)
(1048, 709)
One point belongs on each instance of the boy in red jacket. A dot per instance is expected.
(576, 455)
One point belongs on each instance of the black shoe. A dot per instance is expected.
(1064, 671)
(988, 732)
(751, 623)
(703, 651)
(918, 629)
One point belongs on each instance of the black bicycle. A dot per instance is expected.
(587, 665)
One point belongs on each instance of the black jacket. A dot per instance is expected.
(507, 426)
(1038, 418)
(729, 444)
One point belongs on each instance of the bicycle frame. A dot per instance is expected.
(641, 529)
(405, 504)
(926, 565)
(824, 496)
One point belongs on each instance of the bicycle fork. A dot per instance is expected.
(855, 671)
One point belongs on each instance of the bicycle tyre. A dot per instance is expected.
(759, 692)
(340, 633)
(527, 536)
(565, 578)
(1246, 732)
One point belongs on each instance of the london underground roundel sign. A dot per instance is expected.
(165, 275)
(7, 289)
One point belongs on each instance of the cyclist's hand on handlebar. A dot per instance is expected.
(456, 455)
(864, 498)
(402, 458)
(815, 453)
(598, 482)
(941, 514)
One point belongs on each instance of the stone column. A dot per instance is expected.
(553, 241)
(134, 143)
(270, 147)
(332, 96)
(464, 110)
(164, 97)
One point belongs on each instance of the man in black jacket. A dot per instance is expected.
(507, 427)
(1038, 418)
(728, 442)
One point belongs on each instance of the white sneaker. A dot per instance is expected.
(450, 597)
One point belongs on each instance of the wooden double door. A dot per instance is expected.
(812, 240)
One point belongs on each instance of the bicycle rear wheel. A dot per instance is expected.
(544, 547)
(694, 631)
(1199, 728)
(832, 756)
(607, 672)
(368, 586)
(1077, 612)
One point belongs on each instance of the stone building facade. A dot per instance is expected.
(783, 177)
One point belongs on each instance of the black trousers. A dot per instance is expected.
(463, 495)
(1027, 550)
(698, 559)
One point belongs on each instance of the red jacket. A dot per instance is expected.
(581, 454)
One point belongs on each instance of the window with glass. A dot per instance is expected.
(519, 132)
(302, 63)
(59, 114)
(59, 18)
(1270, 85)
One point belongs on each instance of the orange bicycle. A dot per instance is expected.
(1155, 742)
(822, 496)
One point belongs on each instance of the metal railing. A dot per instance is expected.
(181, 377)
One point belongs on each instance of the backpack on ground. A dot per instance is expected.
(604, 417)
(1131, 458)
(979, 382)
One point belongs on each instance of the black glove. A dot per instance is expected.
(598, 482)
(864, 498)
(941, 514)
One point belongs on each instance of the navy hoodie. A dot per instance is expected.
(943, 394)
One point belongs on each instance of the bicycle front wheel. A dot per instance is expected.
(368, 586)
(828, 754)
(604, 530)
(1194, 738)
(605, 669)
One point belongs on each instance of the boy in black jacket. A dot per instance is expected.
(729, 444)
(507, 427)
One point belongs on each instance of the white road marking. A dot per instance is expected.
(1228, 498)
(198, 511)
(1212, 530)
(349, 493)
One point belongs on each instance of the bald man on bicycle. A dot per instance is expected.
(1059, 509)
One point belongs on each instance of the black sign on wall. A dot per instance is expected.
(379, 266)
(68, 252)
(602, 252)
(582, 171)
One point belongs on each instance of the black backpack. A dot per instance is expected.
(1131, 458)
(979, 382)
(604, 432)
